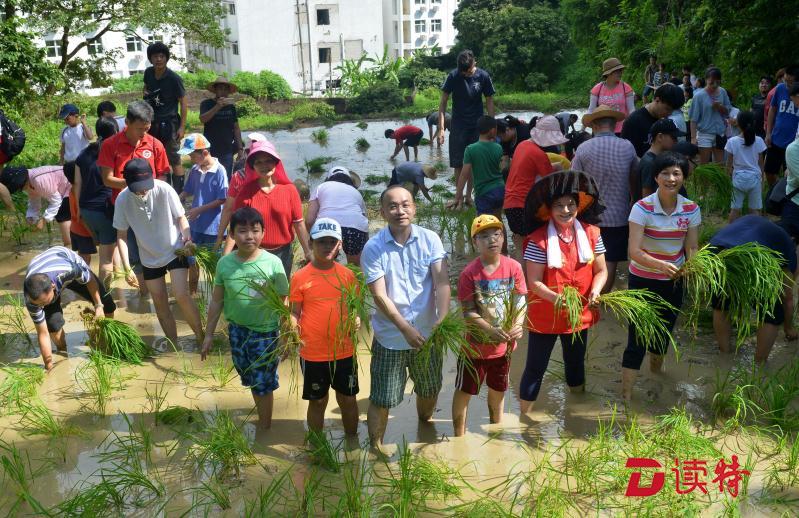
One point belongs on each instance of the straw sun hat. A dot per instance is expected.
(611, 65)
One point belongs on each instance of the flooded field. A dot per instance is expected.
(136, 455)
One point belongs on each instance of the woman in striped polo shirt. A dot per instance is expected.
(663, 231)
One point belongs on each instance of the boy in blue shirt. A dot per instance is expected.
(207, 186)
(783, 119)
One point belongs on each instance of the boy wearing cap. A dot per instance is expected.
(207, 186)
(253, 333)
(152, 209)
(415, 173)
(489, 286)
(662, 137)
(327, 357)
(75, 135)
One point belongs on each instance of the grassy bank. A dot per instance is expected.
(43, 129)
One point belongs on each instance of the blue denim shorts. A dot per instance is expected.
(100, 226)
(490, 202)
(252, 353)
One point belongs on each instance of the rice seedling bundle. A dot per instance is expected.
(704, 276)
(362, 125)
(37, 420)
(98, 377)
(449, 336)
(356, 307)
(571, 302)
(711, 187)
(753, 284)
(175, 415)
(116, 339)
(222, 446)
(320, 136)
(642, 308)
(376, 179)
(361, 144)
(21, 383)
(317, 165)
(322, 451)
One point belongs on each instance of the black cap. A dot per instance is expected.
(14, 178)
(138, 175)
(686, 149)
(666, 126)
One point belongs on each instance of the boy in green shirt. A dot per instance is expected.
(253, 334)
(482, 163)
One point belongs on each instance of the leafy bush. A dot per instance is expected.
(382, 97)
(264, 85)
(198, 79)
(313, 111)
(133, 83)
(421, 78)
(247, 107)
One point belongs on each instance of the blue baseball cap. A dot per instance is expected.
(67, 109)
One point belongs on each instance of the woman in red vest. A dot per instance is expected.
(565, 249)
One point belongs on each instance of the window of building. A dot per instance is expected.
(133, 43)
(417, 2)
(435, 1)
(152, 38)
(323, 17)
(53, 48)
(95, 47)
(324, 54)
(435, 25)
(231, 9)
(420, 26)
(134, 72)
(234, 47)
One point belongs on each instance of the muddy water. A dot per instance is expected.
(486, 455)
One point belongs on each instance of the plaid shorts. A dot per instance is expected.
(390, 370)
(251, 352)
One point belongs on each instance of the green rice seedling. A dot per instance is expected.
(156, 397)
(424, 141)
(442, 191)
(38, 420)
(268, 498)
(571, 302)
(322, 451)
(21, 383)
(440, 166)
(308, 495)
(704, 276)
(207, 259)
(358, 498)
(176, 415)
(128, 449)
(14, 324)
(361, 144)
(99, 377)
(221, 447)
(678, 435)
(753, 285)
(362, 125)
(376, 179)
(356, 307)
(91, 500)
(449, 336)
(778, 391)
(222, 371)
(210, 493)
(116, 339)
(320, 136)
(19, 479)
(643, 308)
(317, 165)
(711, 187)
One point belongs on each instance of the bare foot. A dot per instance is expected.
(791, 334)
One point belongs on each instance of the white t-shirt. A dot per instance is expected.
(153, 220)
(745, 158)
(342, 203)
(74, 142)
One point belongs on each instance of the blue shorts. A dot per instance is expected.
(100, 225)
(254, 359)
(491, 201)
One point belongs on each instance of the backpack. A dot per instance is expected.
(13, 137)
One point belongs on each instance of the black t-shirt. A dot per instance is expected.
(93, 193)
(522, 134)
(467, 96)
(163, 94)
(636, 129)
(644, 176)
(219, 130)
(757, 229)
(758, 105)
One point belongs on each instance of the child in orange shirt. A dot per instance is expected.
(326, 354)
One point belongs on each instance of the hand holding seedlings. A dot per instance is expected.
(669, 269)
(131, 279)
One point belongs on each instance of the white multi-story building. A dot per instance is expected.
(133, 48)
(302, 40)
(417, 24)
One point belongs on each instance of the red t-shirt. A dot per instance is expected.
(241, 178)
(280, 208)
(406, 132)
(529, 164)
(488, 291)
(116, 151)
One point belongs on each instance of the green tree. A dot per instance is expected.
(24, 70)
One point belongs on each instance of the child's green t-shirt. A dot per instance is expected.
(484, 158)
(242, 305)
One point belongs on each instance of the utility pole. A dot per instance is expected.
(302, 53)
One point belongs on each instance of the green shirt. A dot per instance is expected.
(242, 305)
(484, 158)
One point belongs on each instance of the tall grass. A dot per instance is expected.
(20, 384)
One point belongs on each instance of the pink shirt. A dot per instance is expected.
(615, 98)
(47, 182)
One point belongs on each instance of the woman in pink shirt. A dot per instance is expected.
(612, 91)
(48, 183)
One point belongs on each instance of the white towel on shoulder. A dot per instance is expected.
(554, 256)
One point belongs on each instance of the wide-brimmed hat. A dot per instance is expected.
(430, 172)
(601, 112)
(262, 146)
(610, 65)
(338, 169)
(547, 132)
(562, 183)
(222, 80)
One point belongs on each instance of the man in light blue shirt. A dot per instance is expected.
(406, 270)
